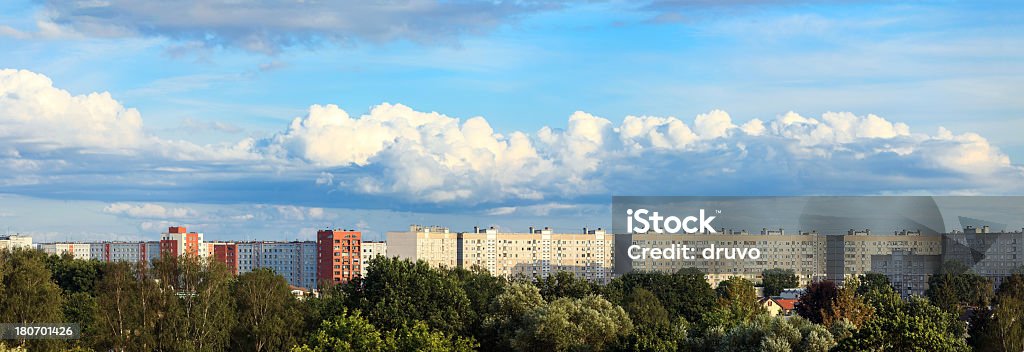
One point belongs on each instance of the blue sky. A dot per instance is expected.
(848, 98)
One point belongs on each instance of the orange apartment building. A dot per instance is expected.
(338, 256)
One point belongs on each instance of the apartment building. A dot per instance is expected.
(538, 252)
(338, 256)
(992, 254)
(372, 249)
(78, 250)
(854, 253)
(177, 240)
(15, 241)
(435, 245)
(296, 261)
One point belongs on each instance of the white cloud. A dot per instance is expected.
(430, 157)
(149, 211)
(92, 143)
(33, 112)
(37, 117)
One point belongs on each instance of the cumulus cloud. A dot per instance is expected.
(32, 112)
(38, 118)
(431, 157)
(394, 155)
(149, 211)
(269, 26)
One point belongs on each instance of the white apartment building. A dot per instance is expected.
(296, 261)
(434, 244)
(538, 253)
(15, 241)
(372, 249)
(79, 250)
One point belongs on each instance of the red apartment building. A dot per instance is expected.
(338, 256)
(227, 253)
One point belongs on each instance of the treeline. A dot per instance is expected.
(190, 305)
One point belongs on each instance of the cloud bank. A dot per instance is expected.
(269, 26)
(60, 145)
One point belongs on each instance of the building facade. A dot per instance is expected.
(15, 241)
(296, 261)
(435, 245)
(339, 256)
(178, 241)
(538, 253)
(372, 249)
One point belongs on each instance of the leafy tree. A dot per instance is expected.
(267, 312)
(776, 279)
(652, 328)
(397, 292)
(28, 294)
(481, 289)
(332, 302)
(117, 322)
(569, 324)
(207, 307)
(685, 293)
(74, 275)
(914, 325)
(419, 337)
(825, 303)
(765, 333)
(344, 332)
(816, 301)
(1001, 327)
(848, 306)
(738, 300)
(873, 281)
(957, 288)
(508, 314)
(564, 284)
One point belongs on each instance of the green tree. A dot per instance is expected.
(652, 328)
(118, 323)
(207, 308)
(419, 337)
(848, 306)
(825, 303)
(564, 284)
(268, 317)
(1001, 327)
(685, 293)
(776, 279)
(397, 292)
(28, 294)
(342, 333)
(765, 333)
(738, 300)
(913, 325)
(569, 324)
(957, 288)
(74, 275)
(873, 281)
(509, 313)
(481, 289)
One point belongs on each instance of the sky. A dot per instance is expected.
(269, 120)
